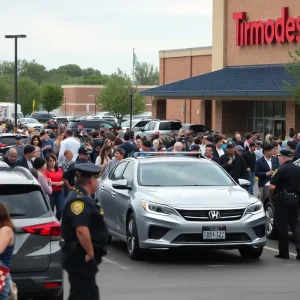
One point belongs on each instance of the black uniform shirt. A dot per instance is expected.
(81, 210)
(71, 172)
(287, 177)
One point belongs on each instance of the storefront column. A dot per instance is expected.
(154, 109)
(202, 112)
(290, 116)
(216, 116)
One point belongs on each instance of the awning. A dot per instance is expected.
(241, 81)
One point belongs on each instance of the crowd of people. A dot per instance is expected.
(51, 154)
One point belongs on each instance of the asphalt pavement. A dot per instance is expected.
(197, 274)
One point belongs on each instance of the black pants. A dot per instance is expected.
(82, 278)
(287, 213)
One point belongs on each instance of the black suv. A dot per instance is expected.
(43, 116)
(8, 139)
(89, 124)
(196, 128)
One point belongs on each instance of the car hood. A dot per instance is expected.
(34, 124)
(198, 197)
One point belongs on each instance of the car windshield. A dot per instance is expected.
(127, 123)
(170, 126)
(31, 121)
(11, 140)
(184, 173)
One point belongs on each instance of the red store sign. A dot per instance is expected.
(282, 30)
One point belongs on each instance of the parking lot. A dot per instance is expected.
(197, 274)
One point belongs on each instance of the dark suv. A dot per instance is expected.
(42, 116)
(89, 124)
(35, 265)
(8, 139)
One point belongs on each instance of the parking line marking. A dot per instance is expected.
(115, 263)
(276, 250)
(215, 266)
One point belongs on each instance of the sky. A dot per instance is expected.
(102, 34)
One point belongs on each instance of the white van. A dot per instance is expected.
(7, 111)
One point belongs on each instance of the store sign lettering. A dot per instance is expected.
(283, 30)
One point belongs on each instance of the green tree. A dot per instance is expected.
(6, 89)
(27, 91)
(34, 71)
(51, 96)
(146, 74)
(115, 97)
(293, 68)
(71, 70)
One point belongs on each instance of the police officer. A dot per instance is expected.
(285, 192)
(84, 234)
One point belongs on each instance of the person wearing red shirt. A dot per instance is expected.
(54, 173)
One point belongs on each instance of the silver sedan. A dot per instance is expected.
(166, 202)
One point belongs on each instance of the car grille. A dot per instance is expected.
(192, 238)
(202, 215)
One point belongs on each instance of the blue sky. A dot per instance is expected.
(101, 34)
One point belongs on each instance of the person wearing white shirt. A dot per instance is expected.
(70, 143)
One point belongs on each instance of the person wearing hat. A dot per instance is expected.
(84, 234)
(19, 146)
(69, 175)
(26, 160)
(233, 163)
(284, 192)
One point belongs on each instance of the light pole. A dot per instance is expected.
(131, 107)
(94, 95)
(16, 37)
(65, 106)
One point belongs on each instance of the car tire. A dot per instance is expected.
(133, 247)
(251, 252)
(109, 239)
(270, 225)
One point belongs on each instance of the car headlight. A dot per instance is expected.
(158, 208)
(254, 208)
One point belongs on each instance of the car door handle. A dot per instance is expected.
(102, 188)
(113, 193)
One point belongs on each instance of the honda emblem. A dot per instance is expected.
(214, 215)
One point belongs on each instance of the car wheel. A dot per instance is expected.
(109, 239)
(251, 252)
(271, 230)
(133, 246)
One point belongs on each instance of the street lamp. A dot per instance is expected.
(95, 95)
(16, 37)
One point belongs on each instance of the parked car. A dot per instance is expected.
(270, 210)
(137, 124)
(8, 139)
(207, 209)
(31, 123)
(35, 265)
(89, 124)
(194, 129)
(61, 120)
(165, 127)
(42, 116)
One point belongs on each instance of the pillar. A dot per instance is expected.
(216, 117)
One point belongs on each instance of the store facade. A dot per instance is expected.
(238, 83)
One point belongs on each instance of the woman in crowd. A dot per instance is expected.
(40, 165)
(7, 242)
(37, 152)
(55, 174)
(36, 142)
(104, 157)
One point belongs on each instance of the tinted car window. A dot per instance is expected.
(10, 140)
(129, 172)
(179, 174)
(170, 126)
(199, 128)
(23, 201)
(118, 171)
(89, 124)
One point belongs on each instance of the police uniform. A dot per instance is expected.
(287, 195)
(81, 210)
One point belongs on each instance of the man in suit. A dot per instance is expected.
(265, 168)
(26, 160)
(233, 163)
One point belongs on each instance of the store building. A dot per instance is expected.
(80, 100)
(237, 84)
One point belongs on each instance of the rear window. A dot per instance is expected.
(169, 126)
(199, 128)
(10, 140)
(23, 201)
(89, 124)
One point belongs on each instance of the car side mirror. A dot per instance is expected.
(141, 129)
(244, 183)
(121, 184)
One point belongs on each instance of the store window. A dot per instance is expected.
(267, 117)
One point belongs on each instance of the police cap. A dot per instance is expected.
(84, 150)
(87, 170)
(286, 152)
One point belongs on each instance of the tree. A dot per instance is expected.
(27, 91)
(146, 74)
(51, 96)
(72, 70)
(6, 89)
(115, 97)
(293, 68)
(33, 71)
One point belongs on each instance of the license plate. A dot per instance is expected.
(214, 232)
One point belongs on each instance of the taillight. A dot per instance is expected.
(47, 229)
(51, 285)
(2, 145)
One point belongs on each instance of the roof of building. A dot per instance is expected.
(240, 81)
